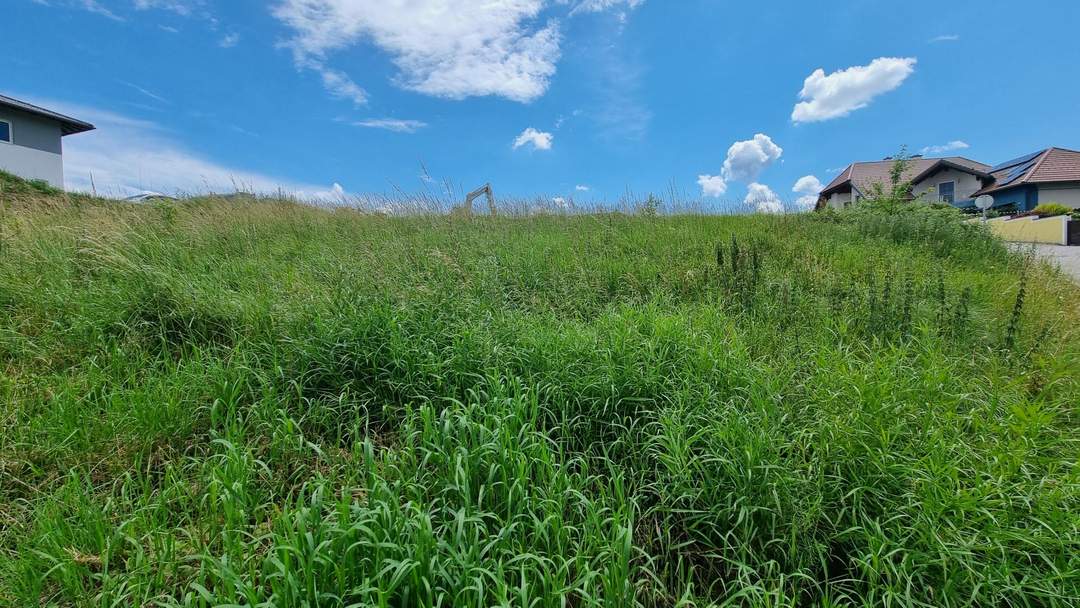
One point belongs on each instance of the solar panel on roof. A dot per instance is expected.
(1015, 161)
(1018, 172)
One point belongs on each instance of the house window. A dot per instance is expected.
(5, 131)
(947, 191)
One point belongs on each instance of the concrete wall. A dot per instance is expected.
(29, 163)
(1068, 195)
(1052, 230)
(35, 149)
(966, 185)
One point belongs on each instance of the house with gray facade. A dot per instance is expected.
(31, 140)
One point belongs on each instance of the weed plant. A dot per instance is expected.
(257, 403)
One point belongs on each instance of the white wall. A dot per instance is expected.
(29, 163)
(966, 184)
(838, 200)
(1066, 195)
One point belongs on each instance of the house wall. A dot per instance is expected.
(29, 163)
(838, 200)
(35, 151)
(1024, 197)
(1068, 195)
(966, 184)
(32, 131)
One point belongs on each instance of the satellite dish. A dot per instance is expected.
(984, 202)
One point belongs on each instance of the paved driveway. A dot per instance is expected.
(1066, 257)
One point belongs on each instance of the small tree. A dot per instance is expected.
(901, 188)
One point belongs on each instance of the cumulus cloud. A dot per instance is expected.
(952, 146)
(538, 139)
(391, 124)
(747, 159)
(441, 48)
(762, 199)
(444, 48)
(809, 187)
(127, 156)
(712, 185)
(844, 91)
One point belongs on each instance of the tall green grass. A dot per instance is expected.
(260, 403)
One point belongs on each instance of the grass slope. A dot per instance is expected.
(262, 403)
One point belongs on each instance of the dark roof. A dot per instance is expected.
(1045, 166)
(68, 125)
(863, 174)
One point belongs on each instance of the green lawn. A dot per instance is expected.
(249, 402)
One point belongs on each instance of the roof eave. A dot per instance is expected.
(68, 125)
(943, 163)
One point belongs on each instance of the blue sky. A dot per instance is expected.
(582, 99)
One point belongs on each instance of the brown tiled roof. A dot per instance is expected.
(864, 174)
(1057, 165)
(1052, 165)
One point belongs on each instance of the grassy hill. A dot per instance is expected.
(235, 403)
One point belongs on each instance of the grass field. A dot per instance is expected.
(262, 403)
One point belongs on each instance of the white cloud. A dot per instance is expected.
(747, 159)
(340, 85)
(95, 7)
(127, 156)
(539, 139)
(596, 6)
(445, 48)
(560, 201)
(146, 92)
(712, 185)
(581, 188)
(180, 7)
(391, 124)
(229, 41)
(946, 38)
(952, 146)
(844, 91)
(809, 187)
(763, 199)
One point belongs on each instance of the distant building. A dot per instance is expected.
(953, 180)
(1047, 176)
(30, 140)
(1051, 175)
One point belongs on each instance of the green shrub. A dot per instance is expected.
(941, 227)
(1051, 210)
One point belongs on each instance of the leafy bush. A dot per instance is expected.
(941, 227)
(1051, 210)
